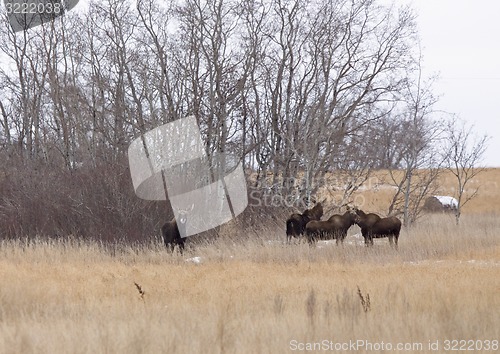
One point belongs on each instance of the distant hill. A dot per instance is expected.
(377, 194)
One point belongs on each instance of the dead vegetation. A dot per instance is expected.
(253, 295)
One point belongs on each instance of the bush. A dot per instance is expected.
(41, 200)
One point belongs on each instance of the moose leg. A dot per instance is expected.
(342, 238)
(309, 237)
(393, 240)
(181, 247)
(366, 235)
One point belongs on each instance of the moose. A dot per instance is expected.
(171, 233)
(296, 223)
(334, 228)
(373, 226)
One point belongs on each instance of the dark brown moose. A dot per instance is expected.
(170, 231)
(172, 236)
(373, 226)
(296, 223)
(334, 228)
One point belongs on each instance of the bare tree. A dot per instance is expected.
(463, 151)
(328, 73)
(23, 86)
(415, 176)
(416, 133)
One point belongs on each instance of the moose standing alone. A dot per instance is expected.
(171, 233)
(172, 236)
(373, 226)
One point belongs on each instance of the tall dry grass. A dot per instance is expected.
(252, 296)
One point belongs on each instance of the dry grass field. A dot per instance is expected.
(377, 195)
(259, 295)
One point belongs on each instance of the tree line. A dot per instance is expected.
(296, 89)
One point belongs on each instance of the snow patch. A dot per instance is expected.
(447, 201)
(479, 263)
(195, 260)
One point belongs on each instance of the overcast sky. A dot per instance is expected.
(461, 42)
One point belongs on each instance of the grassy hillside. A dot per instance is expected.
(488, 198)
(376, 193)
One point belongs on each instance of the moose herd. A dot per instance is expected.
(372, 226)
(310, 225)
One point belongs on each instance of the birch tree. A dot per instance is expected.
(463, 151)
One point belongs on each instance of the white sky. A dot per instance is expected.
(461, 42)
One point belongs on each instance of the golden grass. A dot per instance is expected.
(252, 296)
(376, 193)
(488, 198)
